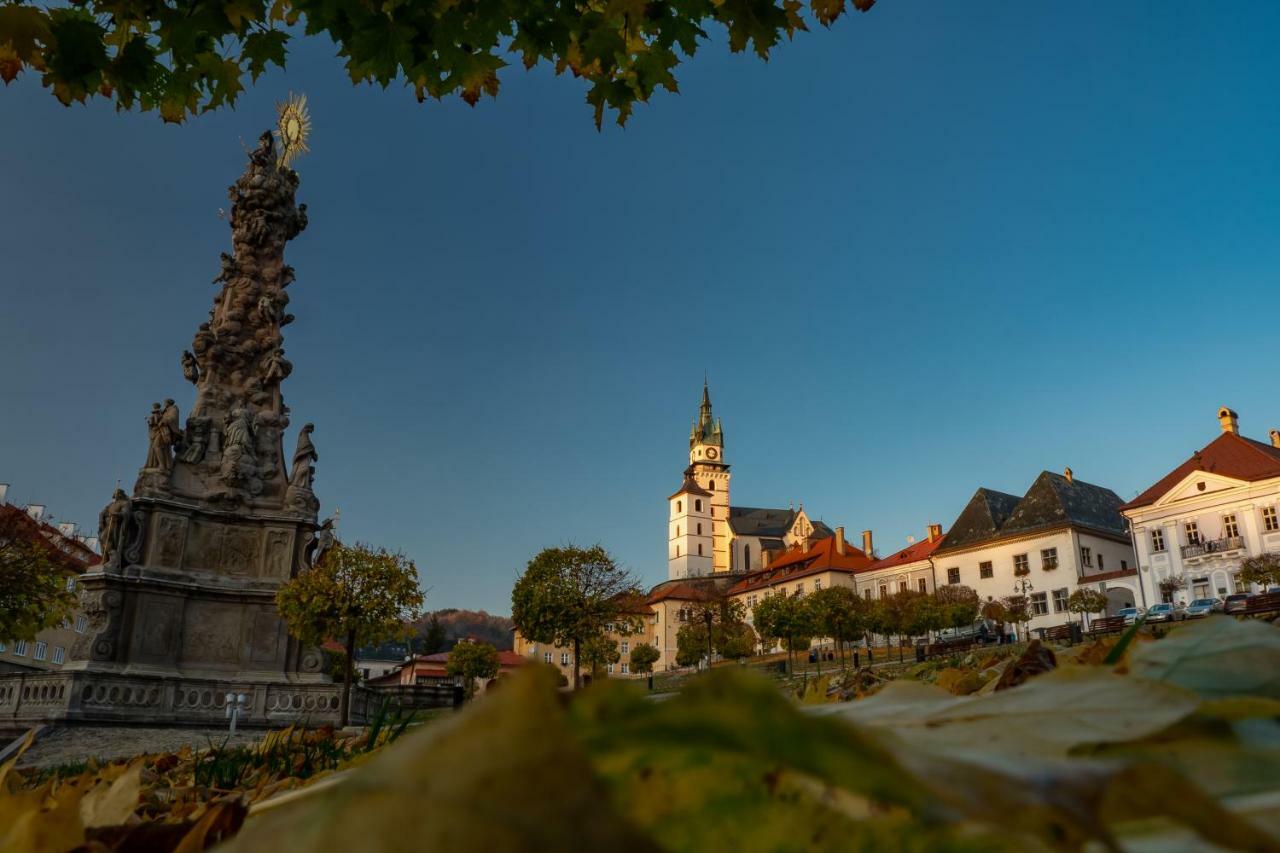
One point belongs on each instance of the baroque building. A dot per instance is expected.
(707, 535)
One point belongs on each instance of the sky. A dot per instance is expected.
(936, 247)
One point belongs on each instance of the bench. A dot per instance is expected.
(948, 647)
(1266, 602)
(1106, 625)
(1056, 634)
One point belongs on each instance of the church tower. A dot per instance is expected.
(699, 537)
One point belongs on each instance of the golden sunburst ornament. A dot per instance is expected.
(293, 128)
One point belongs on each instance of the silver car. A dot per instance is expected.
(1166, 613)
(1131, 614)
(1203, 607)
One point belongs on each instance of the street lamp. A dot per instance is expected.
(235, 708)
(1022, 587)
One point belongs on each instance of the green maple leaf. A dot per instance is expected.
(22, 32)
(133, 70)
(78, 56)
(240, 13)
(259, 48)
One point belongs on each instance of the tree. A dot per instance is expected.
(1264, 570)
(598, 652)
(193, 58)
(734, 640)
(899, 615)
(643, 657)
(33, 579)
(432, 639)
(925, 614)
(1170, 585)
(838, 613)
(1017, 610)
(691, 643)
(959, 604)
(786, 619)
(1085, 600)
(567, 596)
(357, 593)
(472, 662)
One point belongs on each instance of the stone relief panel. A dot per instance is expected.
(240, 550)
(204, 546)
(170, 536)
(276, 559)
(264, 643)
(158, 628)
(211, 634)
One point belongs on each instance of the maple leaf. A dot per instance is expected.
(76, 60)
(259, 48)
(240, 12)
(22, 31)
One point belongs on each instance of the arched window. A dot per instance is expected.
(677, 530)
(679, 506)
(711, 484)
(699, 550)
(746, 558)
(697, 505)
(699, 529)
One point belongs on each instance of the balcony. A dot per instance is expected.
(1212, 547)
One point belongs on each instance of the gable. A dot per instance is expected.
(1198, 484)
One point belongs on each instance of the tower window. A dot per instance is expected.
(699, 549)
(677, 530)
(677, 550)
(699, 529)
(679, 506)
(697, 506)
(711, 484)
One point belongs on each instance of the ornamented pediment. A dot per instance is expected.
(1197, 484)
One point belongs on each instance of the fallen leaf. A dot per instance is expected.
(1217, 656)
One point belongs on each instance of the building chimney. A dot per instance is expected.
(36, 511)
(1230, 421)
(4, 492)
(840, 541)
(1067, 473)
(935, 532)
(1275, 442)
(866, 543)
(766, 557)
(67, 528)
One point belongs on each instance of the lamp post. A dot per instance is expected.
(1022, 586)
(708, 617)
(234, 708)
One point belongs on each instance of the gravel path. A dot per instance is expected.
(64, 744)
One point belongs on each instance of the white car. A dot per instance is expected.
(1131, 614)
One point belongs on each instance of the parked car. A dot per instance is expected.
(1166, 612)
(1235, 603)
(1131, 614)
(1203, 607)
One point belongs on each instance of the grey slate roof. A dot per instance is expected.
(755, 521)
(821, 531)
(1051, 501)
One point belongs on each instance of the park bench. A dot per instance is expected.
(1106, 625)
(1266, 602)
(1057, 634)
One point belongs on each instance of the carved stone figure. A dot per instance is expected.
(278, 367)
(190, 369)
(304, 458)
(159, 443)
(228, 270)
(197, 441)
(113, 528)
(321, 542)
(237, 447)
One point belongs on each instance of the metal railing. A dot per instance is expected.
(1213, 546)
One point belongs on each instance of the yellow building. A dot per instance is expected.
(634, 627)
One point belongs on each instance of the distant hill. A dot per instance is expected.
(459, 624)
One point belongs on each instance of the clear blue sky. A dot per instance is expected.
(940, 246)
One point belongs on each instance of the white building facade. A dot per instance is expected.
(1195, 526)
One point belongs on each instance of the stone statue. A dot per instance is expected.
(113, 527)
(278, 367)
(237, 446)
(323, 540)
(304, 459)
(267, 310)
(228, 270)
(197, 439)
(190, 369)
(157, 444)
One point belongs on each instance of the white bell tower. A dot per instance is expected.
(698, 519)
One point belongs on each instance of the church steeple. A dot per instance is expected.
(699, 535)
(707, 429)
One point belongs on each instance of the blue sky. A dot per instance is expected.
(940, 246)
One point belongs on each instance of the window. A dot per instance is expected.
(985, 570)
(626, 668)
(817, 584)
(677, 550)
(1157, 541)
(1060, 600)
(1269, 521)
(611, 669)
(1193, 533)
(626, 647)
(699, 528)
(20, 648)
(953, 575)
(679, 506)
(59, 654)
(697, 505)
(746, 557)
(866, 593)
(1124, 565)
(677, 530)
(1048, 558)
(1100, 566)
(1086, 557)
(1021, 565)
(1230, 530)
(711, 485)
(564, 658)
(71, 584)
(923, 584)
(1039, 603)
(799, 590)
(699, 549)
(884, 591)
(42, 650)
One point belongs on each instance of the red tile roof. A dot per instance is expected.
(796, 563)
(910, 554)
(75, 556)
(679, 592)
(1229, 455)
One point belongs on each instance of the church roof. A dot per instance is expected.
(756, 521)
(1229, 455)
(689, 486)
(1052, 501)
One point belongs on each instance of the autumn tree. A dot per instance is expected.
(33, 579)
(959, 605)
(598, 653)
(187, 59)
(1264, 570)
(1085, 600)
(432, 638)
(358, 594)
(786, 619)
(838, 613)
(472, 662)
(568, 596)
(1017, 610)
(643, 657)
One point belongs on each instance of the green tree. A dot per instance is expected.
(472, 662)
(598, 652)
(691, 643)
(643, 657)
(734, 640)
(1085, 600)
(360, 594)
(925, 614)
(1017, 610)
(567, 596)
(187, 59)
(900, 615)
(1264, 570)
(959, 605)
(33, 579)
(786, 619)
(432, 639)
(839, 614)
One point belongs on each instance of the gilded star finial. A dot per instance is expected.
(292, 128)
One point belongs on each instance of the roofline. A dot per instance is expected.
(1122, 538)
